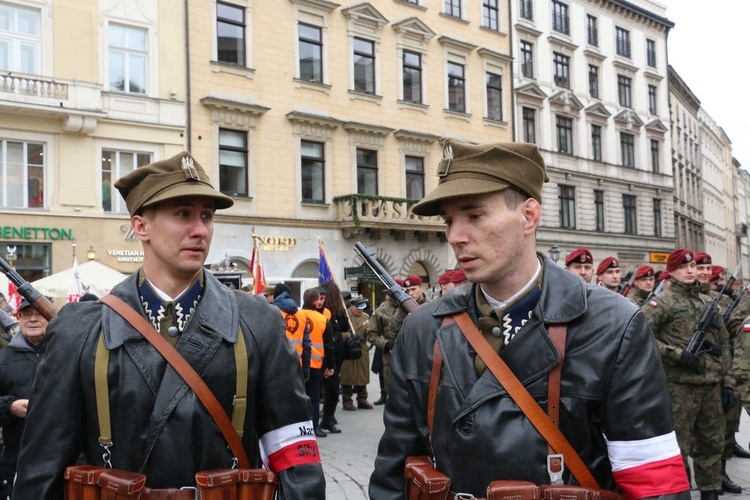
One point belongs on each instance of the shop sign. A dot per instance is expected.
(278, 243)
(126, 255)
(36, 233)
(658, 257)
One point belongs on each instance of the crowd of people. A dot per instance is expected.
(608, 367)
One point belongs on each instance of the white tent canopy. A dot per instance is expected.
(94, 277)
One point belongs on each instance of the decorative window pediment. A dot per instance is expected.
(628, 119)
(411, 135)
(656, 127)
(598, 112)
(532, 91)
(594, 55)
(566, 100)
(366, 128)
(627, 68)
(456, 44)
(318, 4)
(525, 29)
(364, 16)
(562, 43)
(414, 28)
(312, 125)
(233, 110)
(491, 54)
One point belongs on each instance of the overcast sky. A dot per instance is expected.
(708, 47)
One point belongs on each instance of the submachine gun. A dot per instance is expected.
(698, 343)
(728, 313)
(28, 292)
(398, 295)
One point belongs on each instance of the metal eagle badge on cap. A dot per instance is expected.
(446, 163)
(188, 166)
(582, 258)
(688, 257)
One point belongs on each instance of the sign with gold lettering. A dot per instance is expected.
(658, 257)
(278, 243)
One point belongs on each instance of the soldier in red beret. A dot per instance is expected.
(451, 279)
(643, 284)
(703, 268)
(697, 383)
(581, 262)
(608, 274)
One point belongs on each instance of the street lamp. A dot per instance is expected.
(91, 254)
(11, 255)
(554, 253)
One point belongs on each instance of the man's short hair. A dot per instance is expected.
(311, 295)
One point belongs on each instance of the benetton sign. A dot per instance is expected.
(36, 233)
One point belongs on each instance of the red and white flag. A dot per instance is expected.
(256, 268)
(75, 292)
(14, 298)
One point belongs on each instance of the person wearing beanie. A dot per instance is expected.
(608, 274)
(443, 401)
(581, 262)
(643, 285)
(159, 427)
(699, 385)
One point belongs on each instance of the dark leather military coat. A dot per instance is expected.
(612, 385)
(159, 426)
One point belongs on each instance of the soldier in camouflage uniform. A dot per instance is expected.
(643, 285)
(695, 383)
(386, 322)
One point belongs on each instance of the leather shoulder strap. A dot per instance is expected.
(525, 402)
(186, 372)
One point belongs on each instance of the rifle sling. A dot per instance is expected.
(546, 425)
(231, 434)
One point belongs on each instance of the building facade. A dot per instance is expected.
(322, 120)
(591, 91)
(85, 97)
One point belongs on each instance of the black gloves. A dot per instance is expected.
(689, 360)
(712, 349)
(389, 346)
(727, 398)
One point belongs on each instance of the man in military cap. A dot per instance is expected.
(385, 325)
(159, 427)
(695, 382)
(643, 285)
(581, 262)
(355, 373)
(608, 274)
(490, 196)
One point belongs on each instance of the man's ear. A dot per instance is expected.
(532, 213)
(140, 227)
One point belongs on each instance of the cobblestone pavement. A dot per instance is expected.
(348, 458)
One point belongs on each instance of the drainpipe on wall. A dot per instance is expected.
(188, 99)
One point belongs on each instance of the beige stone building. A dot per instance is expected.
(322, 120)
(89, 90)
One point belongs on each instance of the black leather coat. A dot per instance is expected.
(612, 384)
(159, 427)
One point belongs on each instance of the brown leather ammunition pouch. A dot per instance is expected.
(236, 484)
(523, 490)
(88, 482)
(423, 481)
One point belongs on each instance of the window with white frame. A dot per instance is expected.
(231, 26)
(567, 206)
(233, 157)
(528, 119)
(651, 52)
(655, 153)
(625, 91)
(494, 92)
(630, 209)
(414, 177)
(599, 209)
(22, 172)
(627, 149)
(622, 42)
(412, 76)
(310, 52)
(596, 142)
(128, 58)
(652, 99)
(491, 14)
(594, 81)
(592, 30)
(117, 163)
(526, 9)
(452, 8)
(364, 66)
(527, 59)
(312, 155)
(20, 39)
(456, 87)
(560, 18)
(367, 171)
(564, 126)
(561, 66)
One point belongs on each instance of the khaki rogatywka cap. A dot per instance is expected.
(470, 169)
(174, 177)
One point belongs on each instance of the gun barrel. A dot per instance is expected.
(28, 292)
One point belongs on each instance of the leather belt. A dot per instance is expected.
(169, 494)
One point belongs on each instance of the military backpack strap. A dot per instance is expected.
(240, 394)
(525, 402)
(101, 385)
(185, 371)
